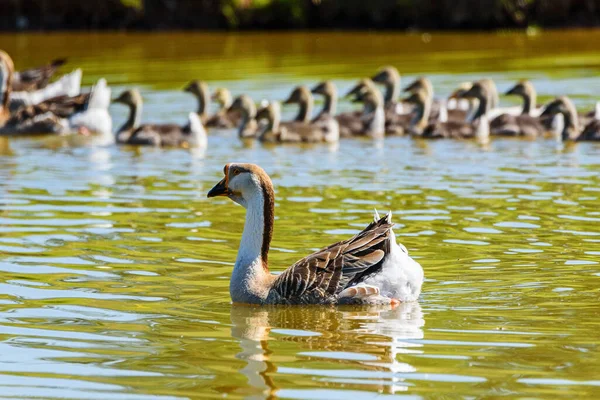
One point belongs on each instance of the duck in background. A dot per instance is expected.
(421, 127)
(527, 123)
(350, 123)
(373, 114)
(36, 78)
(248, 126)
(395, 124)
(572, 130)
(396, 118)
(439, 109)
(134, 132)
(222, 119)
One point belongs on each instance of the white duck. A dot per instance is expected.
(95, 118)
(369, 268)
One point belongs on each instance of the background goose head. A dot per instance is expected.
(6, 77)
(526, 90)
(223, 97)
(563, 105)
(302, 96)
(422, 102)
(390, 77)
(200, 90)
(370, 96)
(362, 85)
(130, 97)
(245, 104)
(421, 83)
(479, 91)
(329, 91)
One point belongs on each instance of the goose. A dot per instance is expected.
(350, 123)
(524, 124)
(395, 124)
(248, 126)
(276, 131)
(373, 115)
(36, 78)
(390, 78)
(369, 268)
(133, 132)
(95, 118)
(439, 109)
(322, 129)
(68, 85)
(224, 117)
(201, 91)
(25, 121)
(421, 127)
(572, 130)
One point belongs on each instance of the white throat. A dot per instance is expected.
(249, 269)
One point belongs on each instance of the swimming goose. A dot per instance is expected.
(369, 268)
(390, 78)
(248, 126)
(36, 78)
(68, 85)
(420, 125)
(373, 114)
(95, 118)
(276, 131)
(25, 121)
(221, 118)
(524, 124)
(224, 118)
(302, 96)
(395, 124)
(572, 130)
(133, 132)
(350, 123)
(439, 109)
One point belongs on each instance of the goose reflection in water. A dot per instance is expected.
(376, 334)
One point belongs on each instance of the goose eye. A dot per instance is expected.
(235, 172)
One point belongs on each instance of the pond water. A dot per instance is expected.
(115, 266)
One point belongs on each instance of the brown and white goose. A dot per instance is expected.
(325, 129)
(226, 118)
(29, 120)
(36, 78)
(168, 135)
(275, 131)
(572, 129)
(373, 114)
(396, 119)
(369, 268)
(421, 127)
(350, 123)
(524, 124)
(248, 126)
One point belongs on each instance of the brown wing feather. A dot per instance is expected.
(327, 272)
(36, 78)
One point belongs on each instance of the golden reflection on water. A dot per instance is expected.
(115, 266)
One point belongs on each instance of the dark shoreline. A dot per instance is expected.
(338, 15)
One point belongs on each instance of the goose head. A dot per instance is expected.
(477, 91)
(326, 88)
(526, 90)
(197, 88)
(459, 92)
(422, 101)
(563, 105)
(389, 77)
(523, 88)
(370, 96)
(245, 104)
(421, 83)
(361, 86)
(130, 97)
(223, 97)
(302, 96)
(6, 76)
(244, 184)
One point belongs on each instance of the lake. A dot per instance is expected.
(115, 266)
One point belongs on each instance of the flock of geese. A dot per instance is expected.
(32, 105)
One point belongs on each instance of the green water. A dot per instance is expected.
(115, 266)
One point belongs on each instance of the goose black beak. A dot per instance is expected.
(220, 189)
